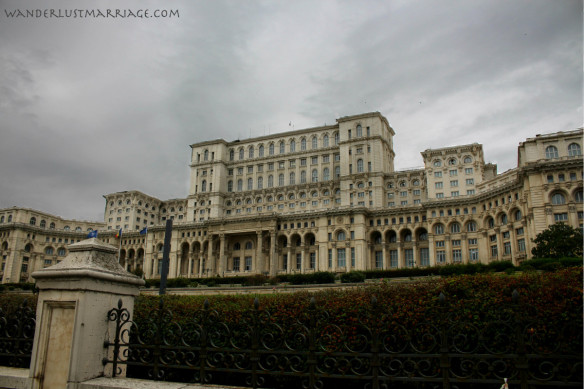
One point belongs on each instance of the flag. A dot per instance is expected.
(144, 231)
(119, 234)
(92, 234)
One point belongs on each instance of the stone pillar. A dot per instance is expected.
(74, 299)
(289, 260)
(201, 257)
(222, 259)
(385, 264)
(259, 261)
(273, 255)
(210, 259)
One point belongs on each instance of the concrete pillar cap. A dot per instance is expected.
(90, 256)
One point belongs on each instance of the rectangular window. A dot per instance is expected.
(519, 231)
(454, 183)
(439, 195)
(457, 256)
(409, 256)
(438, 185)
(298, 261)
(303, 162)
(438, 174)
(521, 245)
(468, 170)
(470, 192)
(330, 258)
(312, 260)
(325, 158)
(424, 256)
(314, 160)
(353, 256)
(560, 217)
(285, 262)
(470, 181)
(494, 251)
(247, 263)
(507, 248)
(454, 193)
(473, 242)
(456, 242)
(473, 254)
(441, 256)
(236, 264)
(393, 259)
(439, 243)
(292, 163)
(379, 259)
(417, 192)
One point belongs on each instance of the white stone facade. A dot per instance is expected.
(329, 199)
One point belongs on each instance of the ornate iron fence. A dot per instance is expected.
(16, 336)
(445, 351)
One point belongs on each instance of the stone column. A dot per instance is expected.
(259, 261)
(385, 264)
(289, 260)
(273, 255)
(201, 257)
(74, 299)
(210, 259)
(222, 258)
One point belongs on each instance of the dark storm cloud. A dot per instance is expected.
(90, 107)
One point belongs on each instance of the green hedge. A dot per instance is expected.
(546, 264)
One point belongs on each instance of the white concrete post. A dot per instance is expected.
(74, 299)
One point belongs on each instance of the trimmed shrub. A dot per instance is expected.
(353, 277)
(499, 266)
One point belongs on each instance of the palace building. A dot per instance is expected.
(326, 199)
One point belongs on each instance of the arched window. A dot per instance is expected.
(61, 252)
(491, 222)
(452, 161)
(281, 179)
(416, 183)
(292, 146)
(336, 138)
(337, 171)
(467, 159)
(551, 152)
(239, 185)
(303, 144)
(49, 251)
(341, 236)
(260, 182)
(438, 229)
(518, 215)
(249, 184)
(251, 152)
(52, 226)
(574, 150)
(291, 196)
(314, 142)
(271, 149)
(325, 141)
(407, 236)
(230, 186)
(206, 155)
(282, 147)
(241, 153)
(437, 163)
(236, 246)
(28, 248)
(578, 195)
(303, 177)
(270, 181)
(33, 221)
(325, 174)
(248, 245)
(558, 199)
(359, 130)
(359, 166)
(292, 178)
(2, 219)
(504, 219)
(43, 224)
(314, 175)
(261, 151)
(455, 228)
(203, 186)
(423, 236)
(471, 226)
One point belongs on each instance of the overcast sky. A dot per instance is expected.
(91, 106)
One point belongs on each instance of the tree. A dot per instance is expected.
(559, 240)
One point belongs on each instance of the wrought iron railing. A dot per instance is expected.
(446, 350)
(17, 335)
